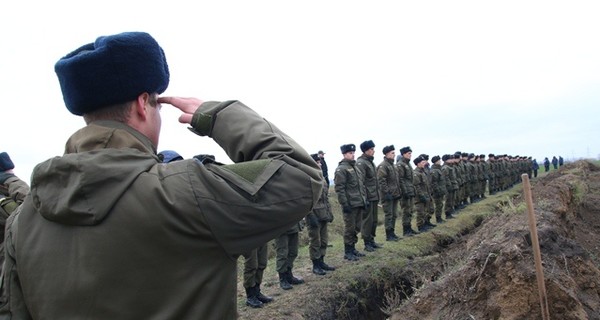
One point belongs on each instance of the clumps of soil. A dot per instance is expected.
(496, 278)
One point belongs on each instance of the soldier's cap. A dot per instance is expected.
(405, 150)
(169, 156)
(435, 159)
(418, 160)
(366, 145)
(491, 155)
(315, 157)
(457, 154)
(464, 154)
(424, 156)
(482, 156)
(112, 70)
(320, 152)
(389, 148)
(471, 156)
(446, 157)
(347, 148)
(5, 162)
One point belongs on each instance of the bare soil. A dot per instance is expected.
(486, 271)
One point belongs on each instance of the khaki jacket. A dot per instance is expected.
(349, 185)
(367, 167)
(389, 183)
(109, 232)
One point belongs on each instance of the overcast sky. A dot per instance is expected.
(515, 77)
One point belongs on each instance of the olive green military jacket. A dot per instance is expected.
(389, 183)
(349, 185)
(421, 184)
(449, 172)
(322, 209)
(438, 181)
(110, 232)
(405, 177)
(367, 167)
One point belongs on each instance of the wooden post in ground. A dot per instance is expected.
(536, 248)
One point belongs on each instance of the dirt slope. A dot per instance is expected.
(498, 279)
(483, 271)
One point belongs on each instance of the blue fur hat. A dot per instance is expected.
(366, 145)
(114, 69)
(347, 148)
(5, 162)
(170, 156)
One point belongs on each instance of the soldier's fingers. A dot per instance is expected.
(187, 105)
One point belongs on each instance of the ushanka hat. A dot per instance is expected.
(5, 162)
(113, 69)
(347, 148)
(366, 145)
(387, 149)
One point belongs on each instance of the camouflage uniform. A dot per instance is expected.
(422, 196)
(438, 190)
(405, 176)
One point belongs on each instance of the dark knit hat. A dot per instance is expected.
(347, 148)
(169, 156)
(405, 150)
(435, 159)
(418, 160)
(5, 162)
(114, 69)
(389, 148)
(366, 145)
(315, 157)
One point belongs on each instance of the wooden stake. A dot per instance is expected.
(536, 248)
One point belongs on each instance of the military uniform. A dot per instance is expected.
(449, 172)
(389, 189)
(438, 189)
(352, 196)
(286, 247)
(422, 197)
(369, 222)
(148, 240)
(255, 263)
(405, 178)
(317, 221)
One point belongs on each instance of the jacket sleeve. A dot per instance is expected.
(273, 184)
(340, 186)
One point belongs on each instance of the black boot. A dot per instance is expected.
(251, 299)
(375, 244)
(283, 281)
(390, 236)
(449, 215)
(439, 220)
(317, 268)
(356, 252)
(349, 253)
(368, 246)
(430, 225)
(292, 279)
(325, 266)
(407, 231)
(260, 296)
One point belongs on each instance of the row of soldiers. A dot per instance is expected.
(445, 185)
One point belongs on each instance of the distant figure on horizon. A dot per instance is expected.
(324, 166)
(555, 162)
(535, 167)
(546, 164)
(561, 161)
